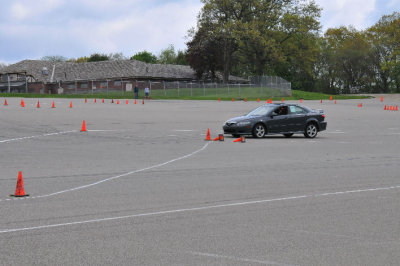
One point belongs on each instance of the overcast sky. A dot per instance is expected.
(31, 29)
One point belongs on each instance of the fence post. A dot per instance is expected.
(165, 92)
(76, 87)
(191, 89)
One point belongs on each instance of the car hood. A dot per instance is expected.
(240, 119)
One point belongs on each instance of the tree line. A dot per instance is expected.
(283, 37)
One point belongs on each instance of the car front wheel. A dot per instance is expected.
(311, 131)
(259, 131)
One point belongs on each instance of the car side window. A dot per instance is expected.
(296, 110)
(282, 110)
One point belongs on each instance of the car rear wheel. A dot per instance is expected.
(259, 131)
(311, 131)
(288, 135)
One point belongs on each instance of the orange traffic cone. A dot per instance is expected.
(52, 105)
(126, 101)
(330, 98)
(142, 101)
(245, 100)
(70, 104)
(208, 137)
(216, 139)
(219, 99)
(95, 100)
(396, 108)
(282, 100)
(335, 101)
(238, 140)
(117, 101)
(233, 99)
(258, 100)
(85, 100)
(22, 103)
(38, 104)
(83, 126)
(385, 107)
(135, 101)
(321, 100)
(221, 137)
(102, 100)
(301, 100)
(391, 108)
(381, 99)
(5, 102)
(19, 190)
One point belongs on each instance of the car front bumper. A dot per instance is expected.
(237, 130)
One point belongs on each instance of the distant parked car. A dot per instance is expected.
(282, 118)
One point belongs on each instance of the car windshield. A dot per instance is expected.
(262, 110)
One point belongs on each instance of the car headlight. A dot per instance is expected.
(243, 123)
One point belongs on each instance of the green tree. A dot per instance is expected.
(98, 57)
(384, 38)
(168, 55)
(145, 56)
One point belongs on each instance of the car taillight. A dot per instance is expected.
(323, 115)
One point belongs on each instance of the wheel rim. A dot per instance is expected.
(260, 131)
(311, 130)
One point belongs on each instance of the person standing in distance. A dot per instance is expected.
(146, 92)
(136, 92)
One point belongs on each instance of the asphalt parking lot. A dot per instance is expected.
(142, 187)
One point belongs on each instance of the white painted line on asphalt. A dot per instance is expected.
(185, 130)
(217, 256)
(115, 177)
(197, 208)
(37, 136)
(336, 132)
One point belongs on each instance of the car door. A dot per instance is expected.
(296, 118)
(278, 121)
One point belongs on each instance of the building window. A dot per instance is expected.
(84, 85)
(103, 84)
(117, 83)
(71, 86)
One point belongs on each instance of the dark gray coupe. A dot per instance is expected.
(286, 119)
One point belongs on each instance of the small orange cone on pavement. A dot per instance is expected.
(335, 101)
(385, 107)
(102, 100)
(233, 99)
(95, 100)
(282, 100)
(216, 139)
(396, 109)
(330, 98)
(83, 126)
(221, 137)
(321, 100)
(381, 99)
(22, 103)
(301, 100)
(5, 102)
(241, 139)
(126, 101)
(38, 104)
(19, 190)
(52, 105)
(208, 137)
(85, 100)
(117, 101)
(142, 101)
(70, 104)
(258, 100)
(135, 101)
(219, 99)
(391, 108)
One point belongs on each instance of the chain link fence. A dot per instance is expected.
(265, 86)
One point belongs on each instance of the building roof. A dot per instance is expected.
(120, 69)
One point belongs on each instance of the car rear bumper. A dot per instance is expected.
(322, 126)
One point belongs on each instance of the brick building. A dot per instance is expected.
(38, 76)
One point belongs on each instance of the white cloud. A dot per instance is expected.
(18, 11)
(346, 12)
